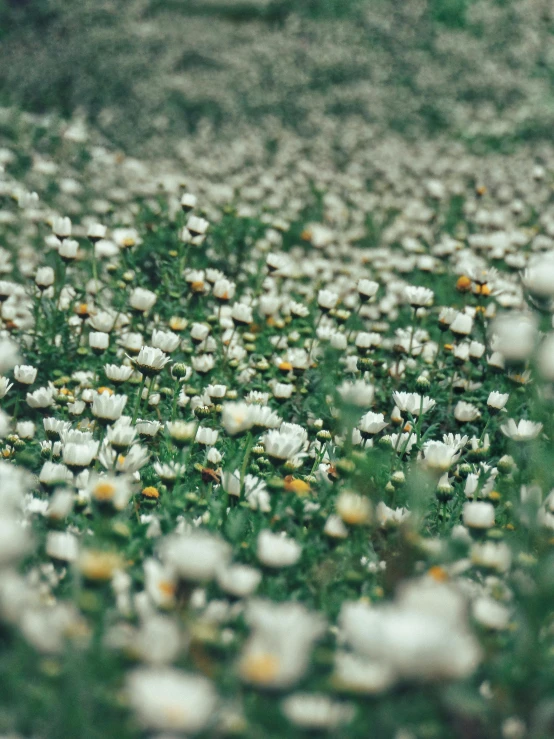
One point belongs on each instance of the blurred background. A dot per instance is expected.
(146, 72)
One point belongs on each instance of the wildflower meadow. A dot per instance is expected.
(276, 434)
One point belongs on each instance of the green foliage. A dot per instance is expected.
(151, 66)
(451, 13)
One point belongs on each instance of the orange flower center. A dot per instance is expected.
(293, 485)
(438, 573)
(463, 284)
(166, 588)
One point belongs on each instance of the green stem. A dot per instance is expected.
(60, 285)
(395, 450)
(15, 408)
(314, 338)
(319, 456)
(228, 347)
(484, 431)
(350, 425)
(353, 329)
(189, 455)
(174, 404)
(397, 456)
(149, 390)
(137, 402)
(94, 268)
(451, 391)
(419, 420)
(247, 453)
(182, 461)
(183, 260)
(414, 324)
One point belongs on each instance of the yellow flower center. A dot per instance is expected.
(354, 516)
(260, 668)
(482, 290)
(104, 491)
(174, 715)
(99, 565)
(177, 324)
(292, 485)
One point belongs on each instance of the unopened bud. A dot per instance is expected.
(506, 464)
(422, 383)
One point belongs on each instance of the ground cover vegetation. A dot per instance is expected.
(276, 399)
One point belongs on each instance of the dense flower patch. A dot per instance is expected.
(272, 466)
